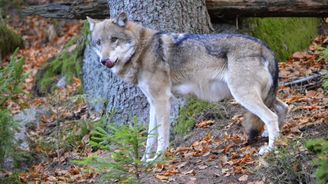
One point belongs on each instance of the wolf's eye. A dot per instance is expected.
(98, 42)
(113, 39)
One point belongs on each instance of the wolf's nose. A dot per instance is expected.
(103, 61)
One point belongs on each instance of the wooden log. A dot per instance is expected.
(218, 9)
(70, 10)
(223, 9)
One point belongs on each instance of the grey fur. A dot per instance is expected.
(209, 67)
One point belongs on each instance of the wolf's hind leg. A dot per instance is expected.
(252, 101)
(255, 105)
(253, 126)
(281, 108)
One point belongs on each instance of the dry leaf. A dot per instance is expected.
(243, 178)
(191, 172)
(201, 167)
(205, 124)
(182, 149)
(171, 172)
(182, 165)
(255, 182)
(161, 177)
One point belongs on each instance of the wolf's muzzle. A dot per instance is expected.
(108, 63)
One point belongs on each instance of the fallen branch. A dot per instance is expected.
(70, 10)
(217, 9)
(305, 80)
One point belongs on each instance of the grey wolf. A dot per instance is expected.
(211, 67)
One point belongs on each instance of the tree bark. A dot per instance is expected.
(165, 15)
(218, 9)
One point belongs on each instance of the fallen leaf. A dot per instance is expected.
(255, 182)
(205, 124)
(243, 178)
(159, 167)
(191, 172)
(182, 165)
(161, 177)
(201, 167)
(171, 172)
(183, 149)
(299, 55)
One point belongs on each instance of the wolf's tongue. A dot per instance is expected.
(109, 63)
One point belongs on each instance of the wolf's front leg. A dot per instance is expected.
(162, 114)
(152, 134)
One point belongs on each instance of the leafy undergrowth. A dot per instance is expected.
(216, 150)
(43, 40)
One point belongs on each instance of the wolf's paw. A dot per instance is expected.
(265, 149)
(156, 158)
(144, 158)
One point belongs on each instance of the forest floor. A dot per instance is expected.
(214, 152)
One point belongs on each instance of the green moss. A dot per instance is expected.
(190, 113)
(9, 40)
(284, 35)
(67, 64)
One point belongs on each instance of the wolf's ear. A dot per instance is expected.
(121, 19)
(92, 23)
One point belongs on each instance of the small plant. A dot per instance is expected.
(288, 165)
(11, 78)
(9, 40)
(320, 148)
(325, 82)
(125, 142)
(67, 64)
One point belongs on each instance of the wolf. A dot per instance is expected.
(211, 67)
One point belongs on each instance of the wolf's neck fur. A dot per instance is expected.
(144, 36)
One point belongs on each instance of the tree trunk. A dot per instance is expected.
(218, 9)
(127, 100)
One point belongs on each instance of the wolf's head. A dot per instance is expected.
(113, 41)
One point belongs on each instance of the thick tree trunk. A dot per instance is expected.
(125, 99)
(218, 9)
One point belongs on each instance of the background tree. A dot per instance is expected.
(105, 90)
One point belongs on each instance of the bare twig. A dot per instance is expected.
(309, 82)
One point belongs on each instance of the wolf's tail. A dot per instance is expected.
(254, 125)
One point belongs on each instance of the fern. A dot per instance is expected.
(125, 144)
(11, 79)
